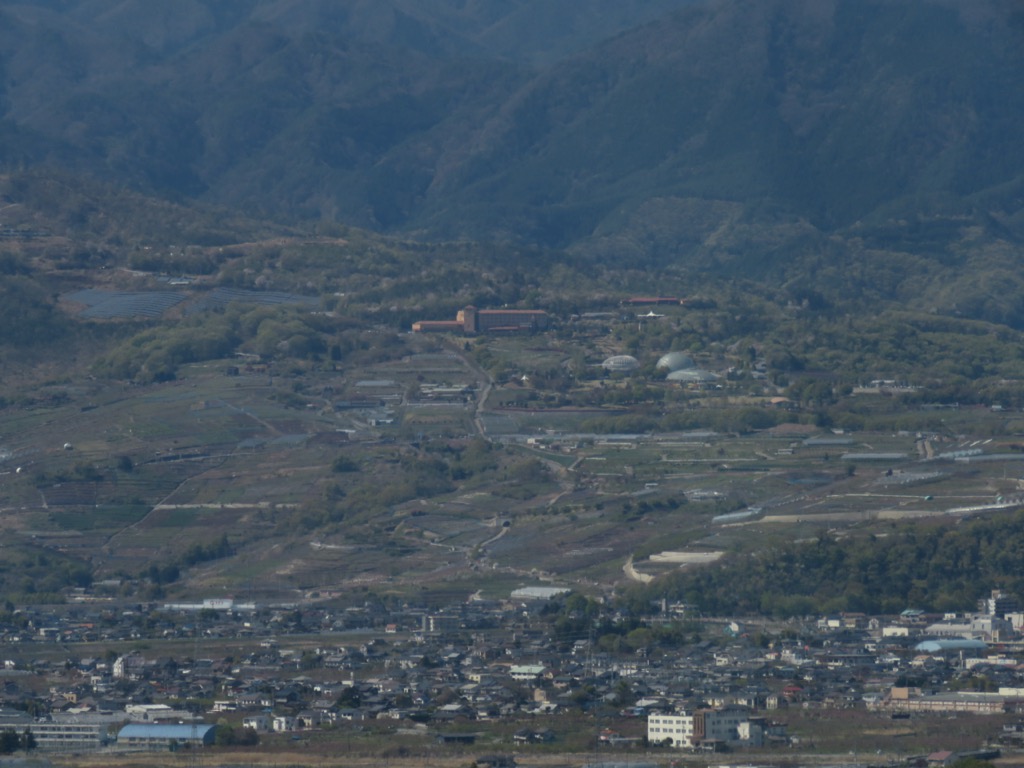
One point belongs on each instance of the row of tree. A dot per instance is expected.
(939, 569)
(12, 741)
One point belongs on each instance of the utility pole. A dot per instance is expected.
(192, 761)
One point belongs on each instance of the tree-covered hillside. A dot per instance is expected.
(928, 568)
(776, 119)
(262, 378)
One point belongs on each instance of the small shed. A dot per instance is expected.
(456, 738)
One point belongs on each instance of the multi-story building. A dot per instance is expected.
(74, 733)
(673, 730)
(471, 320)
(998, 604)
(983, 627)
(702, 728)
(501, 320)
(903, 699)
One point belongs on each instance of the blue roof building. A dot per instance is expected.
(953, 645)
(164, 736)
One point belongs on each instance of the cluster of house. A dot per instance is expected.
(446, 670)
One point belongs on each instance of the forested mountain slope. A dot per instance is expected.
(448, 119)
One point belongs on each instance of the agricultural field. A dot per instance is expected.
(419, 468)
(205, 435)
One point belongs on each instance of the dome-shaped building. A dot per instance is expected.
(692, 376)
(675, 361)
(621, 363)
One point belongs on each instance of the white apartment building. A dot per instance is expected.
(675, 730)
(704, 727)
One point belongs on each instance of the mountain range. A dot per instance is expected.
(585, 125)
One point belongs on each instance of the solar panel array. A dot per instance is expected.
(105, 305)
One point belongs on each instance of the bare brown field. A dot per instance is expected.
(869, 734)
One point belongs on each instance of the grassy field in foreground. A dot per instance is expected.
(850, 736)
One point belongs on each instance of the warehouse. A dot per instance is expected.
(161, 736)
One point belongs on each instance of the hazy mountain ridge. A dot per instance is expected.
(815, 118)
(748, 101)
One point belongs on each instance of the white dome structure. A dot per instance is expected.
(675, 361)
(692, 375)
(621, 363)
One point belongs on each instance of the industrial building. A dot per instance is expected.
(692, 376)
(471, 321)
(675, 361)
(640, 301)
(903, 699)
(73, 733)
(621, 364)
(159, 736)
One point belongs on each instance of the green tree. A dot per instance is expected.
(224, 735)
(344, 464)
(9, 741)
